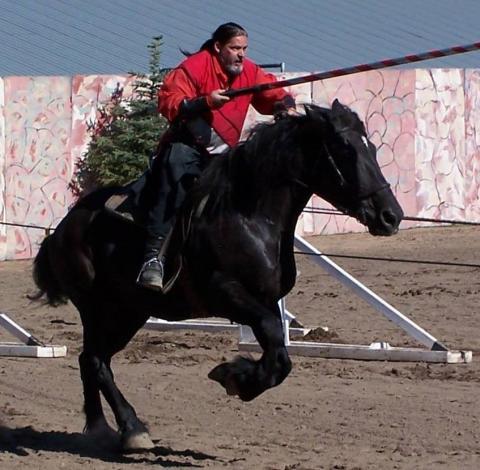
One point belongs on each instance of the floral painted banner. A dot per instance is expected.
(37, 158)
(3, 215)
(425, 124)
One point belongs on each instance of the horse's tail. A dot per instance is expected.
(44, 277)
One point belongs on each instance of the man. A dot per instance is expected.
(203, 122)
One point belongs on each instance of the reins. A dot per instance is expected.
(343, 181)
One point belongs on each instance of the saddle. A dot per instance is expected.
(125, 204)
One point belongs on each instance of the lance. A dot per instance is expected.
(355, 69)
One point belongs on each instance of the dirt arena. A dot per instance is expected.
(328, 414)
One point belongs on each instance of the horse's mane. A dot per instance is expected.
(237, 178)
(269, 157)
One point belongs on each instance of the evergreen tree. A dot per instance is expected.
(125, 133)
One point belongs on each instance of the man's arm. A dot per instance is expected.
(176, 88)
(177, 97)
(271, 101)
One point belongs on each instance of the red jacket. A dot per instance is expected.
(199, 75)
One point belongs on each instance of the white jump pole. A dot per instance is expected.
(29, 346)
(369, 296)
(379, 351)
(16, 330)
(212, 325)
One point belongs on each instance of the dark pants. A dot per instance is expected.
(172, 173)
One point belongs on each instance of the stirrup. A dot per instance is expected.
(151, 274)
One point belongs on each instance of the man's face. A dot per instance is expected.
(232, 53)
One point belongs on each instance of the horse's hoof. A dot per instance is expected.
(224, 377)
(137, 442)
(231, 386)
(219, 374)
(100, 430)
(103, 436)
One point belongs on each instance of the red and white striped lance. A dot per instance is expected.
(355, 69)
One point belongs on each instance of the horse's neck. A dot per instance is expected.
(272, 190)
(282, 206)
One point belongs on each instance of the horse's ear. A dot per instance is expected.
(337, 106)
(313, 112)
(308, 110)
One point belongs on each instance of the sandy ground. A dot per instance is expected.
(328, 414)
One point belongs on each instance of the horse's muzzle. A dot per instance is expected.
(383, 228)
(382, 216)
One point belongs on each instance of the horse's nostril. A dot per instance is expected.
(389, 218)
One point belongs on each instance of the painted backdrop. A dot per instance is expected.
(424, 122)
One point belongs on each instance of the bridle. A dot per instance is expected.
(344, 184)
(342, 180)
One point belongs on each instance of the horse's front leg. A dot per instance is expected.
(246, 377)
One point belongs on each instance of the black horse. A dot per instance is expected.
(237, 258)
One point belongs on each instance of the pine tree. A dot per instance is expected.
(125, 133)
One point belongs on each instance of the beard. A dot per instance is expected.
(233, 69)
(231, 66)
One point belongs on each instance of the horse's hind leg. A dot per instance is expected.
(96, 422)
(134, 434)
(97, 376)
(245, 377)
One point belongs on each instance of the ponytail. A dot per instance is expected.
(222, 34)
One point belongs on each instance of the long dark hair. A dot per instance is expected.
(222, 34)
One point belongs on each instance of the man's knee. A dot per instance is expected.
(183, 160)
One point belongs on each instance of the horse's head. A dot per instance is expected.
(343, 169)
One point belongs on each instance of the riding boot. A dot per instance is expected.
(151, 274)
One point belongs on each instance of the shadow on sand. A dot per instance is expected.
(22, 441)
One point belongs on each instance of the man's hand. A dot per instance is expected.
(217, 99)
(293, 112)
(286, 112)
